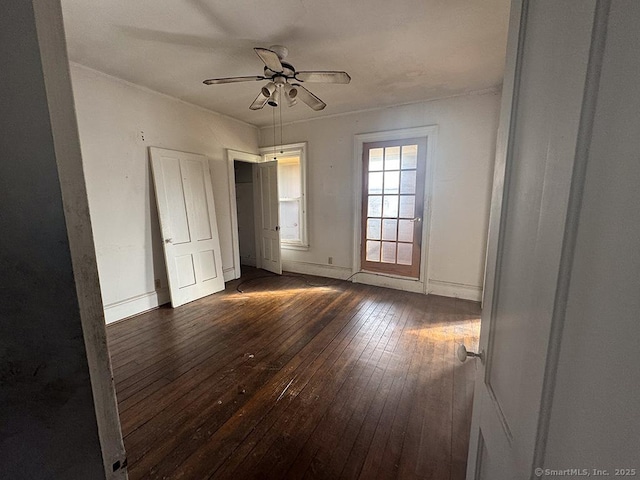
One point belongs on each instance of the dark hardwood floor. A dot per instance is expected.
(297, 377)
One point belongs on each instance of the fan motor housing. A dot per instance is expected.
(288, 71)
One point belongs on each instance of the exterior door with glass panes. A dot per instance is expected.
(392, 206)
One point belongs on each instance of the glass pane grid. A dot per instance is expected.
(392, 158)
(388, 252)
(373, 251)
(392, 177)
(375, 159)
(409, 157)
(390, 206)
(405, 253)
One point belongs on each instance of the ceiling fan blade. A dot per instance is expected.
(259, 102)
(323, 77)
(217, 81)
(270, 59)
(309, 98)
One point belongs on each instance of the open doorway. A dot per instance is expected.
(256, 179)
(245, 212)
(276, 181)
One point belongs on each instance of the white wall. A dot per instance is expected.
(117, 122)
(462, 185)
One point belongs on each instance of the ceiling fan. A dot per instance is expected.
(284, 80)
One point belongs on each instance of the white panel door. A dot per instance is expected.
(268, 217)
(184, 196)
(546, 72)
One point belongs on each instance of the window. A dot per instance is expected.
(292, 193)
(290, 199)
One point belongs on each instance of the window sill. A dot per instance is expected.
(293, 246)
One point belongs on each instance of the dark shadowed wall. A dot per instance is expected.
(48, 426)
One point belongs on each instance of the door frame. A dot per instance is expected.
(419, 285)
(232, 156)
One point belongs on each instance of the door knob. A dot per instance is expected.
(462, 353)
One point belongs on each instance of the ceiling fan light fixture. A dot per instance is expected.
(291, 91)
(268, 89)
(274, 99)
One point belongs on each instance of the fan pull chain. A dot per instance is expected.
(274, 133)
(281, 142)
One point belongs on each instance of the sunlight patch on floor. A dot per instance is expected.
(281, 293)
(449, 331)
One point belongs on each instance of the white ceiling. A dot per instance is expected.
(397, 52)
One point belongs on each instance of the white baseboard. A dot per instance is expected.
(307, 268)
(456, 290)
(435, 287)
(138, 304)
(388, 281)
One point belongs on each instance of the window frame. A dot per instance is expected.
(293, 149)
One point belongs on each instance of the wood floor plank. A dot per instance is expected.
(257, 421)
(185, 414)
(209, 331)
(301, 350)
(328, 463)
(411, 450)
(329, 430)
(389, 461)
(382, 430)
(193, 355)
(275, 450)
(297, 377)
(392, 362)
(166, 316)
(436, 426)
